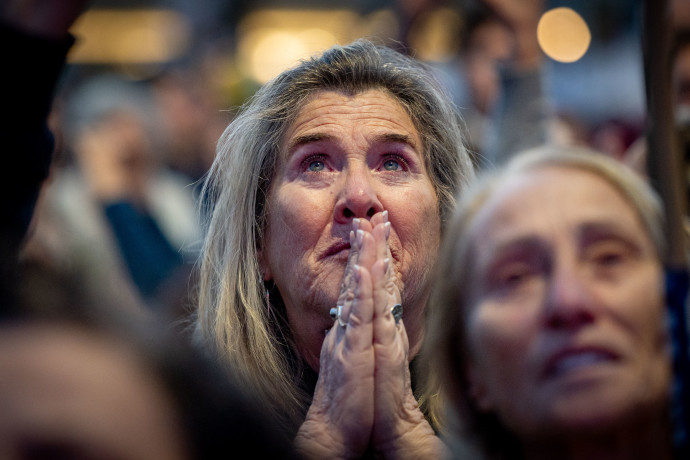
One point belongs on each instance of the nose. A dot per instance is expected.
(570, 302)
(358, 195)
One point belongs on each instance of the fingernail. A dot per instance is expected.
(355, 223)
(385, 216)
(360, 237)
(356, 272)
(387, 228)
(386, 264)
(352, 238)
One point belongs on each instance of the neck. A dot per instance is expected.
(635, 440)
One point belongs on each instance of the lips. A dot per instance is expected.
(336, 248)
(573, 359)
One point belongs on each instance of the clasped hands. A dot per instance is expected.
(363, 401)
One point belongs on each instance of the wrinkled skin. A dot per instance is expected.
(363, 396)
(354, 221)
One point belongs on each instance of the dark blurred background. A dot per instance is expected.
(150, 86)
(243, 43)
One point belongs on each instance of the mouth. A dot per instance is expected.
(338, 248)
(571, 360)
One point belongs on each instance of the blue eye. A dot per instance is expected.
(391, 165)
(316, 166)
(314, 163)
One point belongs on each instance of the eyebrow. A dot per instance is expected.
(510, 248)
(585, 232)
(594, 231)
(395, 137)
(317, 137)
(513, 245)
(307, 139)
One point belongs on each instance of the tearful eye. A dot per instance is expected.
(391, 165)
(316, 165)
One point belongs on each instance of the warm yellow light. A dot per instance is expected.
(270, 51)
(132, 36)
(275, 52)
(434, 35)
(563, 35)
(270, 41)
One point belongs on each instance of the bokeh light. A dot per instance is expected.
(129, 36)
(270, 41)
(563, 35)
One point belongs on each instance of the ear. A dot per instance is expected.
(263, 264)
(478, 389)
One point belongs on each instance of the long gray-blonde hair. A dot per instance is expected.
(236, 320)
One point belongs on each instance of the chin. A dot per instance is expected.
(604, 409)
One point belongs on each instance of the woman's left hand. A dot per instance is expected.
(400, 429)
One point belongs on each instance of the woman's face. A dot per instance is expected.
(346, 157)
(565, 325)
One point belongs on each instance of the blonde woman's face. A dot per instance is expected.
(566, 326)
(346, 157)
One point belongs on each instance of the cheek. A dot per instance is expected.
(644, 309)
(416, 221)
(500, 339)
(295, 220)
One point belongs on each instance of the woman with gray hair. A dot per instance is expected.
(329, 194)
(548, 330)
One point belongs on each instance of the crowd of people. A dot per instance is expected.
(361, 281)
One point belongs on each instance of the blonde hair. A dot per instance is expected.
(236, 320)
(446, 341)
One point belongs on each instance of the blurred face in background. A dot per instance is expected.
(489, 45)
(67, 393)
(566, 321)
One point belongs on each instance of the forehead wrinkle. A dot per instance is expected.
(378, 109)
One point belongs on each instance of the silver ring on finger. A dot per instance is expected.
(397, 312)
(336, 314)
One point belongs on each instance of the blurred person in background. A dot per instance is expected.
(503, 96)
(549, 335)
(80, 376)
(86, 379)
(32, 44)
(192, 115)
(117, 216)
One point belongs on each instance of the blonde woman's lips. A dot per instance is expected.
(337, 248)
(571, 359)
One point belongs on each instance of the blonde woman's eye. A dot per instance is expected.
(391, 165)
(316, 166)
(314, 163)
